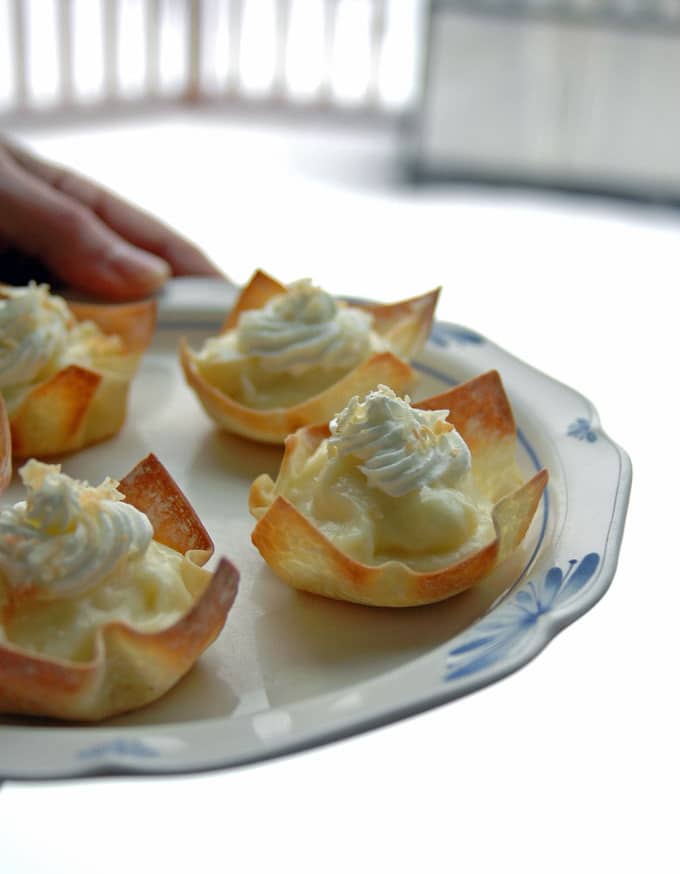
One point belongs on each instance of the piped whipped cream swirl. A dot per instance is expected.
(67, 536)
(304, 329)
(401, 449)
(34, 326)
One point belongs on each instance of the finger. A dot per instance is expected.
(72, 241)
(130, 222)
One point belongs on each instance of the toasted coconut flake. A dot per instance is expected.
(305, 558)
(129, 667)
(404, 326)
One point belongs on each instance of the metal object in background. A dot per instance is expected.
(572, 94)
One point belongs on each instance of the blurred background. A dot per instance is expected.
(577, 94)
(382, 147)
(522, 154)
(89, 55)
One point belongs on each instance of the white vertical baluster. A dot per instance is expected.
(330, 13)
(194, 49)
(152, 24)
(20, 42)
(279, 81)
(234, 48)
(65, 49)
(378, 28)
(111, 21)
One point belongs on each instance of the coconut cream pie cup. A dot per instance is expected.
(105, 602)
(289, 356)
(398, 504)
(65, 369)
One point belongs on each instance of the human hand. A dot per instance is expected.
(66, 229)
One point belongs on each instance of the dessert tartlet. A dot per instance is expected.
(65, 369)
(394, 504)
(289, 356)
(104, 600)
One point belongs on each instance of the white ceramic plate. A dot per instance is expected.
(292, 670)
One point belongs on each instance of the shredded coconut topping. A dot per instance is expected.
(401, 448)
(67, 536)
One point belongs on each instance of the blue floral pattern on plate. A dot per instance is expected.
(119, 747)
(443, 335)
(505, 629)
(581, 429)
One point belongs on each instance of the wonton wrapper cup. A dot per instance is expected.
(301, 555)
(404, 326)
(130, 668)
(78, 406)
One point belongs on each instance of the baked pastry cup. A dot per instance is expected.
(79, 396)
(300, 543)
(127, 663)
(398, 331)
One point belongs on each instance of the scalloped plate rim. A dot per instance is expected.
(139, 750)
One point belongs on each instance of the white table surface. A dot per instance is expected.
(570, 764)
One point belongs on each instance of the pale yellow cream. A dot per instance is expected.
(393, 482)
(293, 348)
(74, 558)
(39, 336)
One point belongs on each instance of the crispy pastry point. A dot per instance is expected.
(305, 558)
(78, 406)
(128, 667)
(404, 326)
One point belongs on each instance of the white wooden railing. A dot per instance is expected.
(74, 57)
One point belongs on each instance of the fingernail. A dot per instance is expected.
(138, 268)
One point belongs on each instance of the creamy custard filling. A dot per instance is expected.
(66, 535)
(402, 449)
(33, 330)
(304, 329)
(393, 482)
(75, 557)
(149, 595)
(293, 348)
(39, 336)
